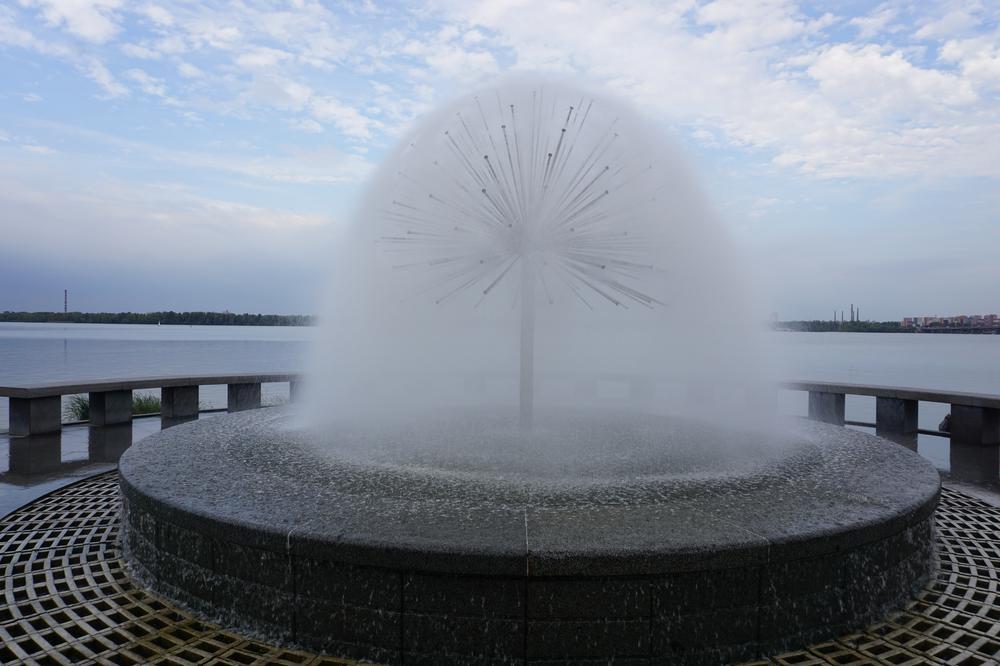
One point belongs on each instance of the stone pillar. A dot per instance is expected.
(826, 407)
(178, 404)
(35, 416)
(975, 443)
(896, 419)
(110, 407)
(244, 396)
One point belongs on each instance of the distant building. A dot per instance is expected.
(970, 321)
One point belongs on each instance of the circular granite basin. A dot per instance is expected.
(603, 536)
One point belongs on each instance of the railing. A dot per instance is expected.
(973, 424)
(36, 409)
(974, 421)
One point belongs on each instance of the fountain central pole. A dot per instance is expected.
(527, 389)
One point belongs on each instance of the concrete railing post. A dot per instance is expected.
(826, 407)
(244, 396)
(178, 404)
(975, 443)
(896, 419)
(35, 416)
(110, 408)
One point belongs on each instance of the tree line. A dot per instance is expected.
(166, 318)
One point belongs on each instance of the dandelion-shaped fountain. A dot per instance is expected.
(426, 509)
(548, 206)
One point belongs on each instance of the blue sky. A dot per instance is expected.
(189, 155)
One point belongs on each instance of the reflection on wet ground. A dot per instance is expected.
(33, 466)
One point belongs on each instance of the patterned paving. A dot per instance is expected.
(68, 600)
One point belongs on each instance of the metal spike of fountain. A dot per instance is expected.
(542, 197)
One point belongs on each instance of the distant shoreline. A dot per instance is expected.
(820, 326)
(827, 326)
(167, 318)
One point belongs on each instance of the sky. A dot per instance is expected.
(181, 155)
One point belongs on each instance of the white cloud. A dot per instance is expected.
(320, 166)
(95, 70)
(189, 71)
(447, 54)
(141, 52)
(872, 80)
(953, 23)
(762, 205)
(147, 83)
(92, 20)
(306, 125)
(261, 57)
(31, 98)
(157, 15)
(757, 75)
(38, 149)
(279, 92)
(871, 25)
(977, 57)
(346, 118)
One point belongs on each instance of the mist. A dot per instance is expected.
(536, 199)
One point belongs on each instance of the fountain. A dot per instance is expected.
(539, 431)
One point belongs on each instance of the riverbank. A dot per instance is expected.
(821, 326)
(157, 318)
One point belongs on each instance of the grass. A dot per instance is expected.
(78, 406)
(145, 403)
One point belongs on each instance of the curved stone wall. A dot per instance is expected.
(234, 518)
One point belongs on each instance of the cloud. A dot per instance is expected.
(873, 80)
(157, 15)
(147, 83)
(141, 52)
(346, 118)
(871, 25)
(95, 70)
(307, 125)
(953, 23)
(189, 71)
(92, 20)
(764, 76)
(279, 92)
(261, 57)
(322, 165)
(37, 149)
(760, 206)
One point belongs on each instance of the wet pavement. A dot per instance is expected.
(31, 467)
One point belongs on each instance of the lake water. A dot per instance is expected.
(54, 352)
(32, 353)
